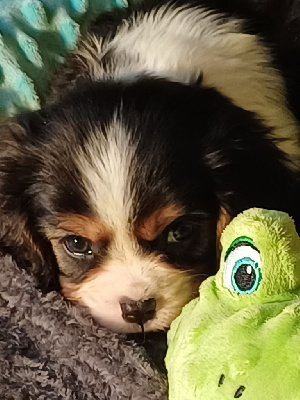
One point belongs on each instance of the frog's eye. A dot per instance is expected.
(242, 269)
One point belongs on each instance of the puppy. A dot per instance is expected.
(165, 123)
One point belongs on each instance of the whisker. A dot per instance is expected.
(186, 271)
(143, 332)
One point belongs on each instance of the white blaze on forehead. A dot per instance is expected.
(106, 164)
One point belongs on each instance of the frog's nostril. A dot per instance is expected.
(239, 392)
(221, 380)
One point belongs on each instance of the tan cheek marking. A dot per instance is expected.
(150, 227)
(223, 221)
(194, 278)
(70, 289)
(80, 225)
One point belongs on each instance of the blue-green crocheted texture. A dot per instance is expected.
(35, 36)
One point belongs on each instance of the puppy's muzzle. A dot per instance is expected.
(138, 312)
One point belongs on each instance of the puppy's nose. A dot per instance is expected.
(138, 312)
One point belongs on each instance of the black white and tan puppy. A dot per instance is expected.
(166, 122)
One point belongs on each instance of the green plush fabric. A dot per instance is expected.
(241, 337)
(35, 36)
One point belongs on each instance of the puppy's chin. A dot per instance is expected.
(103, 290)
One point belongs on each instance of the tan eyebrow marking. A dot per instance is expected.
(85, 226)
(154, 224)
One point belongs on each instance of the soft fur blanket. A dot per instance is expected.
(35, 36)
(50, 349)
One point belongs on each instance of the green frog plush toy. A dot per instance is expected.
(241, 337)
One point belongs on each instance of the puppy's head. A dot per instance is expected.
(122, 190)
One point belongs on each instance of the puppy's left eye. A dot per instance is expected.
(188, 241)
(78, 246)
(180, 233)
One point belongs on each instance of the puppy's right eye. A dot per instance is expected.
(78, 246)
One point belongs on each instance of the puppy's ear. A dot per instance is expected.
(19, 235)
(248, 169)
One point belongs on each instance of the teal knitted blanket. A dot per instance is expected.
(35, 36)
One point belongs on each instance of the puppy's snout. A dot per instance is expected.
(138, 312)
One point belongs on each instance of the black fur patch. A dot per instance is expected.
(194, 147)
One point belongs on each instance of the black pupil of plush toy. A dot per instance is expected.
(245, 277)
